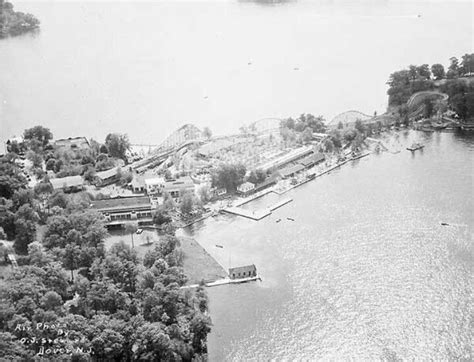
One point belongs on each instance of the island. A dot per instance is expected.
(14, 23)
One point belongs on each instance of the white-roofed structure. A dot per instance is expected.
(68, 184)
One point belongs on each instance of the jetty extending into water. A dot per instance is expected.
(224, 281)
(257, 214)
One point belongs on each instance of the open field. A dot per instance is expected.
(198, 264)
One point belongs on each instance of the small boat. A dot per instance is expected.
(219, 246)
(278, 220)
(415, 146)
(444, 224)
(289, 218)
(296, 68)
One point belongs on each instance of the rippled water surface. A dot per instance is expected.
(365, 270)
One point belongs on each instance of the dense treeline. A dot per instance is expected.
(455, 82)
(112, 304)
(300, 131)
(70, 162)
(14, 23)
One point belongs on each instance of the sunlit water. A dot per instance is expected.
(145, 68)
(365, 270)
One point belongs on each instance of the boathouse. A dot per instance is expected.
(247, 271)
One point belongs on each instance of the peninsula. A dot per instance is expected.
(13, 23)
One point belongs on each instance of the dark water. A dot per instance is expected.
(365, 270)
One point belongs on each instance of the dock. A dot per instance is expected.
(225, 281)
(256, 214)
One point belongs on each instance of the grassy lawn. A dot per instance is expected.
(198, 264)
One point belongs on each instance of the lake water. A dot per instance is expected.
(365, 271)
(145, 68)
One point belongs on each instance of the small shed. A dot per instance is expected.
(240, 272)
(246, 188)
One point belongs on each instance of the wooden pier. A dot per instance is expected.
(224, 281)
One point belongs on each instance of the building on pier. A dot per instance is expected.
(247, 271)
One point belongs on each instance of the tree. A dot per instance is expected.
(453, 70)
(360, 126)
(39, 133)
(207, 133)
(161, 216)
(228, 176)
(35, 159)
(25, 226)
(71, 258)
(11, 178)
(257, 176)
(424, 71)
(38, 255)
(200, 327)
(307, 135)
(413, 72)
(131, 227)
(204, 193)
(117, 145)
(438, 71)
(187, 203)
(428, 108)
(467, 64)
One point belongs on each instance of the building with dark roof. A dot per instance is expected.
(247, 271)
(74, 143)
(312, 160)
(107, 177)
(120, 210)
(291, 170)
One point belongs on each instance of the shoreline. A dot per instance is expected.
(203, 253)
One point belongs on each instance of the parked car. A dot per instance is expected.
(139, 231)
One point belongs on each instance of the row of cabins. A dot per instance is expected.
(76, 183)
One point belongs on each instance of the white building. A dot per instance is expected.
(246, 188)
(154, 186)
